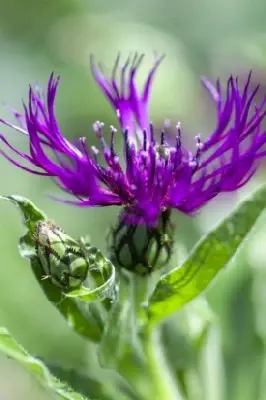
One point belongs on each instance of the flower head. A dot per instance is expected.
(154, 175)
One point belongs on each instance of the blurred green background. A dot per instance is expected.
(208, 37)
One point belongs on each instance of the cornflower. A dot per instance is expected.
(153, 175)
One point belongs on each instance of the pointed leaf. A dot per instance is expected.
(102, 385)
(210, 255)
(56, 388)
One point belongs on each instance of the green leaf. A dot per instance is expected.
(210, 255)
(31, 216)
(184, 338)
(56, 388)
(85, 320)
(99, 384)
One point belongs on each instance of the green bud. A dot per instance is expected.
(62, 259)
(140, 248)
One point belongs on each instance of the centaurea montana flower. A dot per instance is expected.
(154, 176)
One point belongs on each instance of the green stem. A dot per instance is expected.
(135, 289)
(149, 377)
(135, 352)
(161, 379)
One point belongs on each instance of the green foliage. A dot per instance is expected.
(120, 339)
(210, 255)
(119, 312)
(73, 304)
(104, 386)
(126, 343)
(57, 389)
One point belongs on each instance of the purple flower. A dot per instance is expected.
(153, 176)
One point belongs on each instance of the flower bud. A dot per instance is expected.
(140, 248)
(62, 259)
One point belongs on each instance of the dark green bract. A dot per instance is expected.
(140, 248)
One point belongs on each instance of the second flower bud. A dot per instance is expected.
(64, 260)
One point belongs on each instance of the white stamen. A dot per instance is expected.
(97, 126)
(199, 145)
(94, 150)
(113, 129)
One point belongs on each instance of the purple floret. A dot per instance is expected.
(153, 176)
